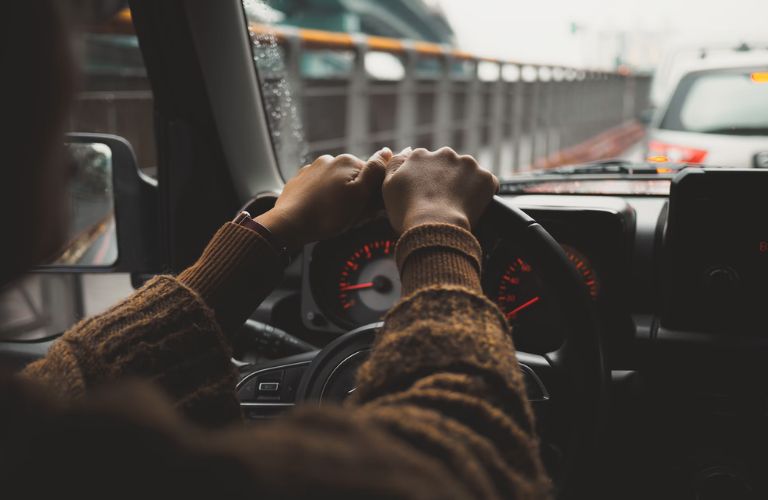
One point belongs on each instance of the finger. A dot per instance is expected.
(380, 158)
(397, 161)
(372, 173)
(496, 184)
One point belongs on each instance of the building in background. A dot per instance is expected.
(409, 19)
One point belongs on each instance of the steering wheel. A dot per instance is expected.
(568, 387)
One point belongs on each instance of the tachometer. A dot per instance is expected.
(519, 290)
(520, 293)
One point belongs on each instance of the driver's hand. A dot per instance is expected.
(424, 187)
(327, 197)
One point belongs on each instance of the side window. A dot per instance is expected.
(114, 98)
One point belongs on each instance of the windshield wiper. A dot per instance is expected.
(621, 167)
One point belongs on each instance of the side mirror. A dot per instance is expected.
(113, 210)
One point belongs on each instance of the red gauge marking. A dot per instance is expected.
(522, 306)
(359, 286)
(585, 269)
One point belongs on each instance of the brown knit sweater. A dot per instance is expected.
(139, 401)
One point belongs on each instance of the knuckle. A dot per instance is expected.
(469, 161)
(488, 177)
(346, 158)
(420, 152)
(447, 152)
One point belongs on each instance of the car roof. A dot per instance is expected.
(682, 61)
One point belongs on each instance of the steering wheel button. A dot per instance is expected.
(269, 386)
(247, 391)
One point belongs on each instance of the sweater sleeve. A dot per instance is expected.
(443, 376)
(174, 331)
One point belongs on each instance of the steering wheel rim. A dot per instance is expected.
(579, 385)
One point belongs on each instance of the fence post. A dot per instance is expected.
(443, 125)
(517, 120)
(472, 112)
(557, 111)
(534, 116)
(407, 107)
(547, 88)
(358, 106)
(497, 121)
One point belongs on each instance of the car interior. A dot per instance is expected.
(636, 290)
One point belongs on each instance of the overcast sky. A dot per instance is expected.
(540, 30)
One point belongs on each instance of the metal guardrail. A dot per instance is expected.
(521, 119)
(529, 116)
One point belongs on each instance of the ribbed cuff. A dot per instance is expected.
(438, 254)
(237, 269)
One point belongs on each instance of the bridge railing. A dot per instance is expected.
(514, 116)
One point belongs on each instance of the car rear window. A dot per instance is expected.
(731, 103)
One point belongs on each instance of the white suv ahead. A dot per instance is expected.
(717, 113)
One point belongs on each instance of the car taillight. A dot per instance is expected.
(660, 151)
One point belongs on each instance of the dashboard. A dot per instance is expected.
(352, 280)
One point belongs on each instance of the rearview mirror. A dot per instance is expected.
(113, 210)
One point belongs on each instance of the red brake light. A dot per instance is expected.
(674, 153)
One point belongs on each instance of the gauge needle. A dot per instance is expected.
(359, 286)
(522, 306)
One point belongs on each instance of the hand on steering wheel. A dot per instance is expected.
(327, 197)
(413, 197)
(333, 193)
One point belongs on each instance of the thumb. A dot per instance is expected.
(372, 173)
(397, 160)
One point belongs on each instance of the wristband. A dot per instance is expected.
(279, 246)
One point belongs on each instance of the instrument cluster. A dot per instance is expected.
(352, 280)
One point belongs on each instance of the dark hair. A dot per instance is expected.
(35, 90)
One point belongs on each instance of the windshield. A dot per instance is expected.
(525, 88)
